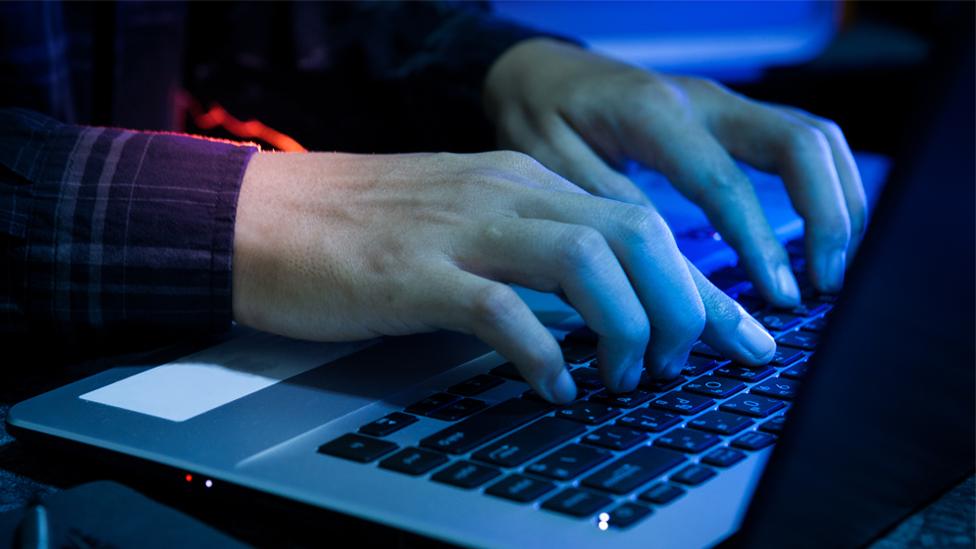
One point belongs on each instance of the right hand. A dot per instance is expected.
(334, 247)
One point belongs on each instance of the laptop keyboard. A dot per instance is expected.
(613, 457)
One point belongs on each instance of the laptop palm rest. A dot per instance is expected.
(236, 428)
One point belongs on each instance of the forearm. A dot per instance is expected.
(113, 231)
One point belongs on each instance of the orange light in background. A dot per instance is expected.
(251, 129)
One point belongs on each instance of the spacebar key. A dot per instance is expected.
(464, 436)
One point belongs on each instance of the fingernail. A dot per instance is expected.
(834, 270)
(630, 378)
(755, 339)
(563, 389)
(787, 283)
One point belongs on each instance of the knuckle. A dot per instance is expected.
(495, 304)
(515, 160)
(830, 129)
(804, 138)
(690, 324)
(580, 246)
(641, 225)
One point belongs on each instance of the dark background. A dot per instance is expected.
(870, 80)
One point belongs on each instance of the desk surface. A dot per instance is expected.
(27, 471)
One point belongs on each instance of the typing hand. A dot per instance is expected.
(339, 247)
(581, 114)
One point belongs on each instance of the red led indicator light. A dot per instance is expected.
(189, 477)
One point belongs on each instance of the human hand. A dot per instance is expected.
(582, 115)
(340, 247)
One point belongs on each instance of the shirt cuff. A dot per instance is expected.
(128, 232)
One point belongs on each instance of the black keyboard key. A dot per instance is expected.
(785, 355)
(778, 320)
(583, 334)
(528, 442)
(476, 385)
(578, 353)
(810, 308)
(614, 437)
(464, 436)
(357, 448)
(698, 365)
(752, 405)
(622, 400)
(628, 515)
(662, 493)
(465, 474)
(590, 413)
(649, 419)
(751, 303)
(634, 469)
(508, 371)
(774, 425)
(413, 461)
(754, 440)
(693, 475)
(587, 378)
(576, 502)
(682, 403)
(714, 386)
(802, 340)
(728, 277)
(657, 385)
(520, 488)
(459, 410)
(815, 325)
(744, 373)
(569, 462)
(776, 387)
(723, 457)
(687, 440)
(431, 403)
(532, 395)
(721, 423)
(796, 371)
(703, 349)
(387, 424)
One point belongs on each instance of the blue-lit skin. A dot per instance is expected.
(335, 247)
(582, 115)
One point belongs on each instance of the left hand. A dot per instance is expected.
(583, 115)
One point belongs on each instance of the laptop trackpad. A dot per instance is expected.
(257, 390)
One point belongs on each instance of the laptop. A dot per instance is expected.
(437, 435)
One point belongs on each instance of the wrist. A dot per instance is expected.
(250, 230)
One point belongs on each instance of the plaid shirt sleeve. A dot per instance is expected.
(107, 232)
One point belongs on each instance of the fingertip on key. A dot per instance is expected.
(756, 341)
(787, 286)
(563, 389)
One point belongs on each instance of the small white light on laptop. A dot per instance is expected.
(602, 525)
(208, 483)
(604, 519)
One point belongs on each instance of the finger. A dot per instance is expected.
(494, 313)
(550, 256)
(774, 141)
(561, 149)
(643, 244)
(701, 169)
(729, 329)
(847, 171)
